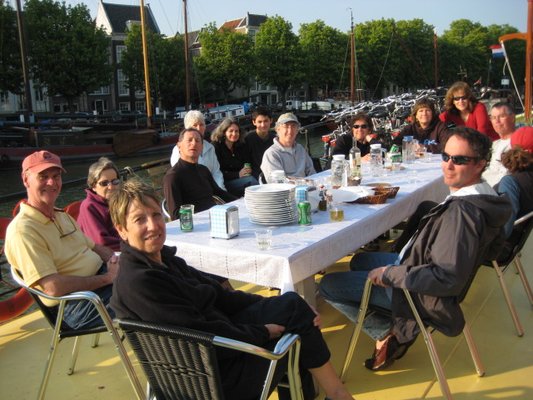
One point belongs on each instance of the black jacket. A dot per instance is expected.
(451, 242)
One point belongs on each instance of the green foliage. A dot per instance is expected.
(10, 63)
(166, 63)
(324, 53)
(225, 60)
(278, 55)
(68, 54)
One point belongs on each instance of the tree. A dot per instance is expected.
(166, 66)
(225, 59)
(323, 55)
(277, 55)
(10, 64)
(67, 53)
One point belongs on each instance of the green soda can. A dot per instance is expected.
(186, 221)
(304, 213)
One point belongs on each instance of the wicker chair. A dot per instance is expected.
(521, 231)
(426, 333)
(180, 364)
(62, 331)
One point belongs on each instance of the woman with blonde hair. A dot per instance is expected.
(463, 109)
(233, 156)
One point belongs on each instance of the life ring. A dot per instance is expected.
(15, 305)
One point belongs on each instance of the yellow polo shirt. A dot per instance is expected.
(38, 246)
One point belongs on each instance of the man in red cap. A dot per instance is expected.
(518, 185)
(47, 247)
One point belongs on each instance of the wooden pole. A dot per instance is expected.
(186, 45)
(146, 71)
(529, 61)
(352, 60)
(24, 59)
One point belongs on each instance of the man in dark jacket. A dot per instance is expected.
(439, 261)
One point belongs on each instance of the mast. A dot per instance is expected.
(146, 71)
(186, 49)
(352, 61)
(436, 55)
(529, 60)
(28, 113)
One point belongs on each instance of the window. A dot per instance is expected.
(140, 106)
(124, 106)
(101, 91)
(123, 89)
(38, 93)
(119, 49)
(3, 97)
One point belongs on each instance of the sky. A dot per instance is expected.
(335, 13)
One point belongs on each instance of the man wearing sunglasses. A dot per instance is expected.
(439, 260)
(47, 247)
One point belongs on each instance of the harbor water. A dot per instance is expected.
(77, 171)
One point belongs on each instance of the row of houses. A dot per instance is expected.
(117, 97)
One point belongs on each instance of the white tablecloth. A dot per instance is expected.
(298, 252)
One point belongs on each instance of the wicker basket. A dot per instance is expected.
(389, 191)
(375, 199)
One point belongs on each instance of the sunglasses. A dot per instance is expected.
(62, 233)
(458, 160)
(457, 98)
(113, 182)
(363, 126)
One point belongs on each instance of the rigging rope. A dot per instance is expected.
(385, 64)
(506, 63)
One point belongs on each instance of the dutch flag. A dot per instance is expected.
(497, 51)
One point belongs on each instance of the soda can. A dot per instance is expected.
(300, 193)
(186, 220)
(304, 213)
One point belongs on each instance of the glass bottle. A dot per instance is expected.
(354, 157)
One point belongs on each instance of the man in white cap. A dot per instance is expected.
(285, 154)
(47, 247)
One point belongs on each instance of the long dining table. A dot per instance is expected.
(298, 252)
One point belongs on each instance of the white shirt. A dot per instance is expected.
(496, 171)
(207, 158)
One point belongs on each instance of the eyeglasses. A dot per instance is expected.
(363, 126)
(457, 98)
(113, 182)
(458, 160)
(62, 233)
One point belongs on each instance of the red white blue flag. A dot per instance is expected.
(497, 51)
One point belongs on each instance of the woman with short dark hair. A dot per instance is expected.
(102, 181)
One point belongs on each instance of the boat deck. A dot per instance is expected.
(508, 359)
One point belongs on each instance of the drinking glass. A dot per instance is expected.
(264, 238)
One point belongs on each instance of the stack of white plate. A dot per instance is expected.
(271, 204)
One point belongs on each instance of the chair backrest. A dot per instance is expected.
(179, 363)
(73, 209)
(4, 222)
(165, 209)
(514, 244)
(16, 207)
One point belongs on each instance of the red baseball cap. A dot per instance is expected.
(523, 137)
(41, 160)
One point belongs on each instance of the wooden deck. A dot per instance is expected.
(508, 359)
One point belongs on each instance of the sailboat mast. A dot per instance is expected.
(529, 60)
(186, 45)
(146, 71)
(24, 59)
(352, 60)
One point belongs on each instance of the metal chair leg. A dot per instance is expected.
(363, 307)
(523, 278)
(473, 350)
(295, 383)
(96, 340)
(51, 355)
(508, 300)
(74, 356)
(437, 366)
